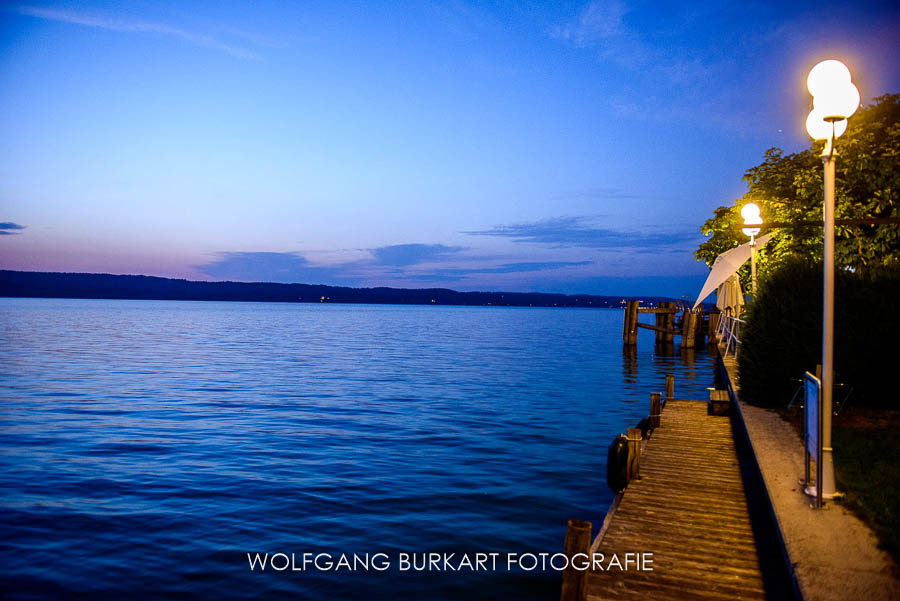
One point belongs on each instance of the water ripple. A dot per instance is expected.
(146, 447)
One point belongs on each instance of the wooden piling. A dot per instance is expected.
(578, 540)
(634, 453)
(688, 329)
(699, 329)
(668, 322)
(711, 330)
(670, 387)
(629, 329)
(656, 407)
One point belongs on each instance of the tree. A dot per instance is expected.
(788, 188)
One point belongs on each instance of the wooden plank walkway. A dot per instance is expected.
(690, 510)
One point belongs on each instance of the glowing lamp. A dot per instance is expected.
(835, 98)
(839, 103)
(826, 76)
(820, 129)
(750, 213)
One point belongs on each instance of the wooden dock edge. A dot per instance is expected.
(607, 519)
(750, 468)
(728, 373)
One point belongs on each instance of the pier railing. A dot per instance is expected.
(729, 333)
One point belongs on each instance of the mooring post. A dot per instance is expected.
(688, 327)
(629, 329)
(578, 540)
(655, 408)
(634, 453)
(635, 311)
(670, 387)
(660, 323)
(711, 330)
(669, 335)
(699, 332)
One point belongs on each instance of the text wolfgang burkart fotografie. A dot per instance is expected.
(640, 561)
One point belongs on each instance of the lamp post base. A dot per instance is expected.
(812, 491)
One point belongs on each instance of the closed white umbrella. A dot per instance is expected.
(726, 265)
(730, 296)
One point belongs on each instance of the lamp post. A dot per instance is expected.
(750, 213)
(835, 98)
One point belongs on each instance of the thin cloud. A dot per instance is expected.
(402, 255)
(596, 22)
(598, 193)
(397, 263)
(601, 26)
(121, 25)
(662, 58)
(529, 267)
(459, 273)
(579, 232)
(279, 267)
(8, 228)
(435, 277)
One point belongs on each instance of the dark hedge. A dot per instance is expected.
(783, 334)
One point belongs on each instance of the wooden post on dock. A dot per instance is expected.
(669, 322)
(634, 453)
(578, 540)
(629, 330)
(670, 387)
(660, 323)
(711, 330)
(688, 328)
(655, 408)
(699, 331)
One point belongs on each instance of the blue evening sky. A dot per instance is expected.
(568, 147)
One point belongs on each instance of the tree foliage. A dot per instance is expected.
(789, 188)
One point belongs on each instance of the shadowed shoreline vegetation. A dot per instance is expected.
(142, 287)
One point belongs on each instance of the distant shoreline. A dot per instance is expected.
(34, 284)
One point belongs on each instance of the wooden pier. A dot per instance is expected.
(686, 502)
(689, 509)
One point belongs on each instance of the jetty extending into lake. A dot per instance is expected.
(694, 501)
(688, 507)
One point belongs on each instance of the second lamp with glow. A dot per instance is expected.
(750, 213)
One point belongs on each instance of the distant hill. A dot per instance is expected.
(142, 287)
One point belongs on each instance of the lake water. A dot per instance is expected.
(146, 447)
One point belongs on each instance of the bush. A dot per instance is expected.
(783, 335)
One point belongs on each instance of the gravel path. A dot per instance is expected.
(834, 554)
